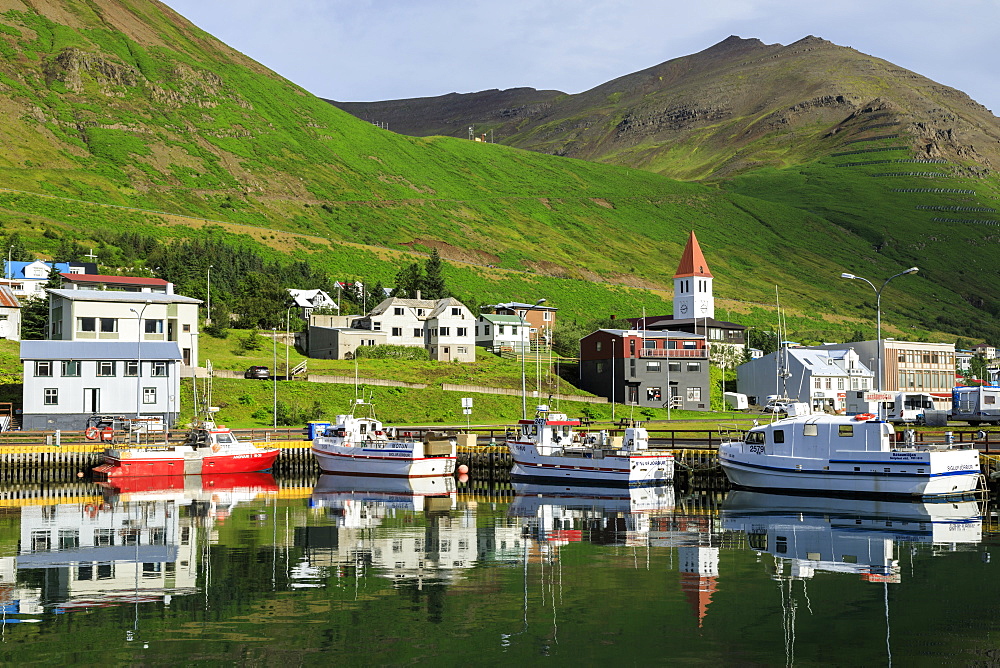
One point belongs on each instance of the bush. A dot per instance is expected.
(385, 352)
(286, 415)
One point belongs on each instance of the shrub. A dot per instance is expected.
(384, 352)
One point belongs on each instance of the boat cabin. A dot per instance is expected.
(820, 435)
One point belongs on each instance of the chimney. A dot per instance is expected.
(418, 294)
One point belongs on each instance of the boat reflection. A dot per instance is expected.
(560, 514)
(127, 543)
(400, 528)
(809, 534)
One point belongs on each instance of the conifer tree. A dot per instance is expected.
(433, 281)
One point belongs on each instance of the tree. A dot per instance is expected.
(35, 313)
(433, 282)
(260, 301)
(409, 280)
(13, 246)
(977, 367)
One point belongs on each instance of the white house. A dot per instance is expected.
(106, 315)
(821, 378)
(27, 278)
(10, 315)
(445, 327)
(65, 382)
(498, 332)
(309, 300)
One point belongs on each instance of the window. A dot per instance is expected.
(159, 369)
(674, 367)
(397, 331)
(500, 332)
(486, 330)
(445, 331)
(818, 383)
(462, 331)
(110, 325)
(513, 331)
(455, 310)
(846, 430)
(71, 368)
(840, 383)
(152, 326)
(418, 332)
(652, 394)
(186, 328)
(69, 539)
(779, 435)
(653, 366)
(546, 315)
(694, 366)
(649, 343)
(829, 383)
(600, 367)
(149, 395)
(810, 430)
(398, 310)
(43, 368)
(597, 346)
(105, 368)
(461, 350)
(694, 394)
(51, 396)
(132, 367)
(104, 537)
(377, 326)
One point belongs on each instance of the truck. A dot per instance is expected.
(975, 405)
(900, 407)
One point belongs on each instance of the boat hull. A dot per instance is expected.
(131, 463)
(633, 470)
(945, 484)
(379, 462)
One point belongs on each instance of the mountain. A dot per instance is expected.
(120, 116)
(737, 105)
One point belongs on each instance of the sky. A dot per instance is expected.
(367, 50)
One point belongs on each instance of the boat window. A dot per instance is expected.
(755, 437)
(363, 428)
(224, 438)
(810, 430)
(846, 430)
(778, 435)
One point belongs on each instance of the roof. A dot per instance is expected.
(123, 297)
(7, 298)
(651, 334)
(307, 298)
(493, 317)
(123, 280)
(692, 260)
(519, 306)
(99, 350)
(431, 307)
(661, 321)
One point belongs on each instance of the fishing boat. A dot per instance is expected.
(207, 449)
(846, 455)
(548, 448)
(359, 444)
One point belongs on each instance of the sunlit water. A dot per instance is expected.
(249, 570)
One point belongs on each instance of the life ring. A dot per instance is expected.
(216, 447)
(861, 417)
(91, 433)
(378, 433)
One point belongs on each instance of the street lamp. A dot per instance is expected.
(288, 316)
(274, 348)
(138, 367)
(524, 392)
(878, 311)
(208, 298)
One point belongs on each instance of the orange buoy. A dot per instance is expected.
(462, 468)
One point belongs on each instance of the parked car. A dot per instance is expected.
(261, 372)
(776, 406)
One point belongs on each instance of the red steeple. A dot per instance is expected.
(693, 261)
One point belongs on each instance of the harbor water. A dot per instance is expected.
(321, 570)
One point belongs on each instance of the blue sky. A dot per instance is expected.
(363, 50)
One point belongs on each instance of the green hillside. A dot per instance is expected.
(127, 104)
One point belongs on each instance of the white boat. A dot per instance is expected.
(548, 449)
(362, 445)
(853, 455)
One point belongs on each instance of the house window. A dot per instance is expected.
(840, 383)
(461, 350)
(649, 344)
(818, 383)
(86, 324)
(397, 331)
(418, 332)
(499, 330)
(486, 330)
(694, 394)
(652, 394)
(653, 366)
(159, 369)
(462, 331)
(109, 325)
(398, 310)
(43, 368)
(597, 346)
(445, 331)
(51, 396)
(377, 326)
(455, 310)
(149, 395)
(153, 327)
(829, 383)
(186, 328)
(694, 366)
(71, 368)
(132, 367)
(546, 315)
(600, 367)
(105, 368)
(674, 367)
(513, 330)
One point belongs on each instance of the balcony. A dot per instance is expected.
(682, 353)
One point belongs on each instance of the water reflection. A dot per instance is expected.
(139, 541)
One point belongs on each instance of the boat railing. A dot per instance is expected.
(729, 433)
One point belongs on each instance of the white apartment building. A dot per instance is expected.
(107, 315)
(444, 327)
(497, 332)
(65, 382)
(821, 378)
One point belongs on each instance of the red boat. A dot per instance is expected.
(209, 449)
(257, 481)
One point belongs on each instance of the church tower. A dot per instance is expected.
(693, 284)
